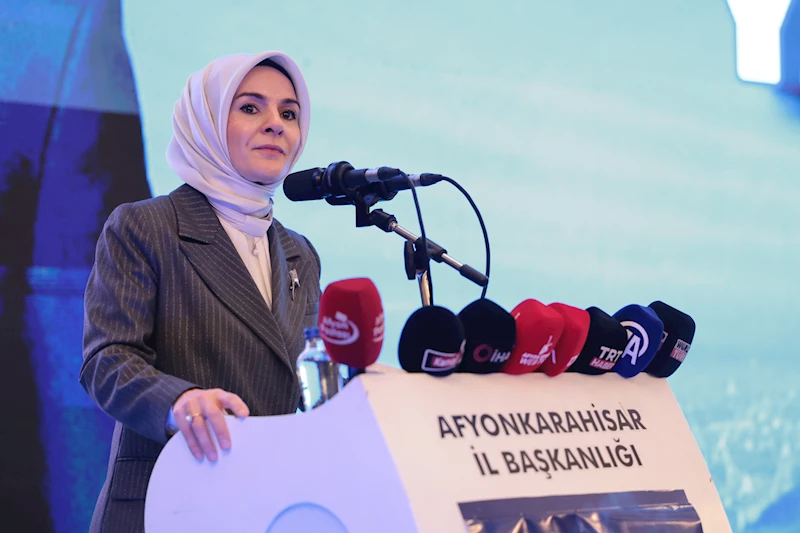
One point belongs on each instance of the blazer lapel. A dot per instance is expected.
(288, 306)
(213, 256)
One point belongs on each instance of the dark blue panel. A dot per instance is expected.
(75, 152)
(790, 49)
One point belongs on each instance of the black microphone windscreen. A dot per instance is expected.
(303, 185)
(604, 345)
(490, 333)
(679, 331)
(432, 341)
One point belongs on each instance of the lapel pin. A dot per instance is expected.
(294, 281)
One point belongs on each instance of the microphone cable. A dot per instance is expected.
(477, 211)
(424, 237)
(483, 229)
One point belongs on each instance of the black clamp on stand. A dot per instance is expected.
(417, 260)
(418, 252)
(362, 197)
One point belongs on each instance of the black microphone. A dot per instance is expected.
(604, 345)
(490, 332)
(678, 336)
(432, 341)
(342, 181)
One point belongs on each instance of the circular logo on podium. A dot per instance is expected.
(306, 517)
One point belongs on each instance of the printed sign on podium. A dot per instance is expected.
(397, 452)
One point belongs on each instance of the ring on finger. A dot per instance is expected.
(190, 417)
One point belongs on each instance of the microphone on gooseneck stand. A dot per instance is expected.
(604, 344)
(490, 332)
(341, 180)
(538, 329)
(351, 323)
(644, 337)
(432, 341)
(572, 341)
(678, 335)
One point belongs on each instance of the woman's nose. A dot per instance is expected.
(272, 121)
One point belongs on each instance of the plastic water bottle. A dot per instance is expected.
(320, 377)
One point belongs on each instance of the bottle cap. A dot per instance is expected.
(311, 333)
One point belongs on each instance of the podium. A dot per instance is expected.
(401, 453)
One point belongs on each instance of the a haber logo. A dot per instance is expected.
(680, 350)
(378, 329)
(338, 329)
(638, 341)
(484, 352)
(435, 361)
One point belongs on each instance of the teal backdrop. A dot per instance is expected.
(614, 152)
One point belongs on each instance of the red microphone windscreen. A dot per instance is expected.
(573, 338)
(351, 321)
(538, 331)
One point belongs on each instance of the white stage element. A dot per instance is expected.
(397, 452)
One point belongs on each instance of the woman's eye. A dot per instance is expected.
(289, 115)
(249, 108)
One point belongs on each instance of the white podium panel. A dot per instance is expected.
(316, 468)
(397, 452)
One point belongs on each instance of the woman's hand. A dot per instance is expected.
(197, 409)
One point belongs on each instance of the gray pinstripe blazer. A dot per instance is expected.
(170, 306)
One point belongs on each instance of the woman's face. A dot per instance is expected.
(263, 126)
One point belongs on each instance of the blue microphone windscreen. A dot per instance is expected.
(644, 338)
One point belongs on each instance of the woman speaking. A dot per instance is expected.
(197, 301)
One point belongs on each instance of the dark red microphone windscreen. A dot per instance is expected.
(351, 322)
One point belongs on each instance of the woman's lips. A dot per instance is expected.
(270, 149)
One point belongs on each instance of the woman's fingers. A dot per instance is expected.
(184, 419)
(200, 430)
(237, 406)
(215, 417)
(200, 412)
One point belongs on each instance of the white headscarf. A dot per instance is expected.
(198, 151)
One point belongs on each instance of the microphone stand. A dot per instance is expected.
(418, 253)
(418, 260)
